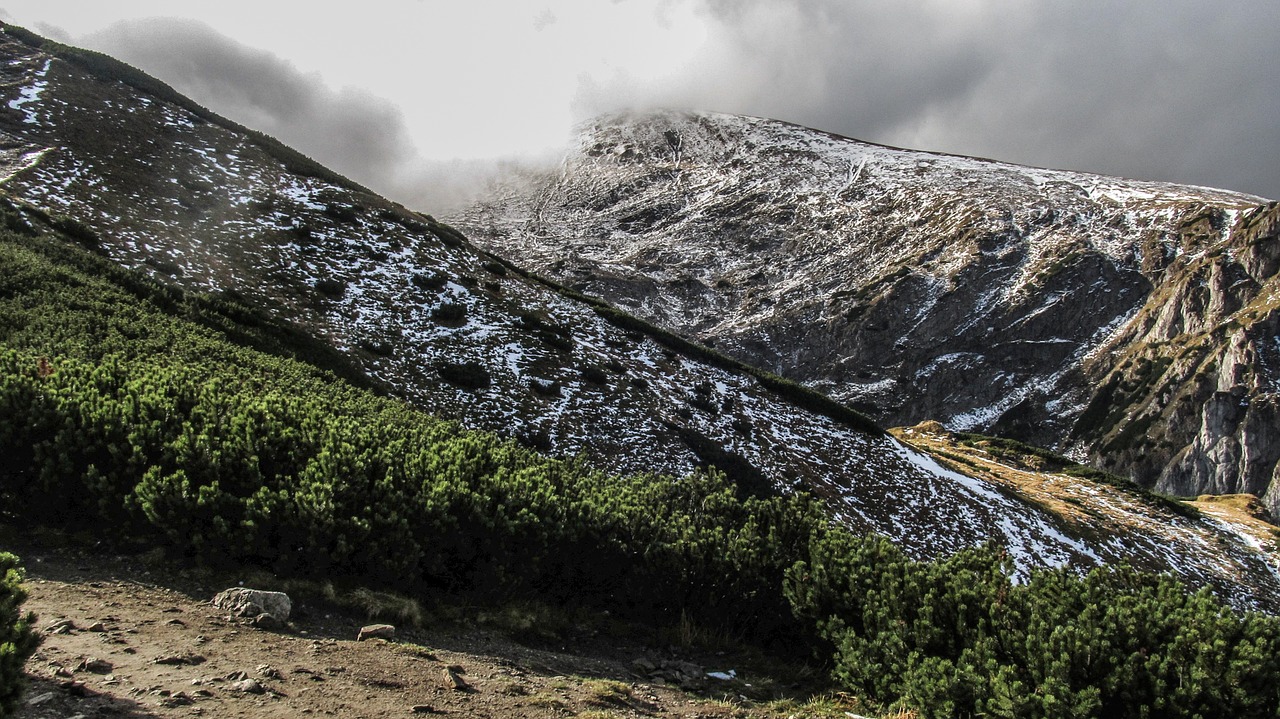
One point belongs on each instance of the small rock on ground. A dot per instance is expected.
(452, 680)
(376, 631)
(246, 602)
(249, 686)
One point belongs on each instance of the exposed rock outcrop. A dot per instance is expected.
(1188, 402)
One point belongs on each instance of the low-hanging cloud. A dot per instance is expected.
(354, 132)
(1173, 90)
(864, 69)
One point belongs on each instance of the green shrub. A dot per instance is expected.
(17, 638)
(594, 375)
(433, 282)
(78, 231)
(448, 236)
(958, 638)
(550, 332)
(379, 347)
(341, 213)
(449, 313)
(469, 375)
(556, 341)
(331, 288)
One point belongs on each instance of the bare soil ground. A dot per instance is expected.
(145, 641)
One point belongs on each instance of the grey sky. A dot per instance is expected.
(417, 99)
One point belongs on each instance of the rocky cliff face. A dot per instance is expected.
(1188, 401)
(1055, 307)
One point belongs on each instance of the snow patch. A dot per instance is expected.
(31, 94)
(1033, 544)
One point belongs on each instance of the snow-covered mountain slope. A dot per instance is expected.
(1109, 318)
(161, 185)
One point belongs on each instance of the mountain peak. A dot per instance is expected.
(1088, 313)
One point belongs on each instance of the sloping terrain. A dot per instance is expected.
(1129, 323)
(209, 208)
(123, 164)
(144, 641)
(215, 349)
(135, 415)
(1155, 530)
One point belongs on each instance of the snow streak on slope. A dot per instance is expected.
(1166, 535)
(29, 95)
(1028, 549)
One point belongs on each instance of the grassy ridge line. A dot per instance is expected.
(1014, 450)
(108, 68)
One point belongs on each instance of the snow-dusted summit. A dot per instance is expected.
(1128, 323)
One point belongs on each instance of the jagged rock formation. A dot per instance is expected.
(1188, 402)
(1122, 321)
(161, 185)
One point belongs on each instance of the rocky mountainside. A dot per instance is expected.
(156, 183)
(1130, 324)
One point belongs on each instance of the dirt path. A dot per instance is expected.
(139, 644)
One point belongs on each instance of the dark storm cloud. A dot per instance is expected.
(1176, 90)
(1180, 90)
(355, 133)
(872, 65)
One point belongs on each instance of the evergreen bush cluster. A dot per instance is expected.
(120, 406)
(957, 638)
(433, 282)
(552, 333)
(330, 287)
(17, 638)
(449, 312)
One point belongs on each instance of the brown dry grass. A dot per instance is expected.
(1246, 512)
(1041, 488)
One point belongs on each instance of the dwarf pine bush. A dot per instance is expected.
(17, 639)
